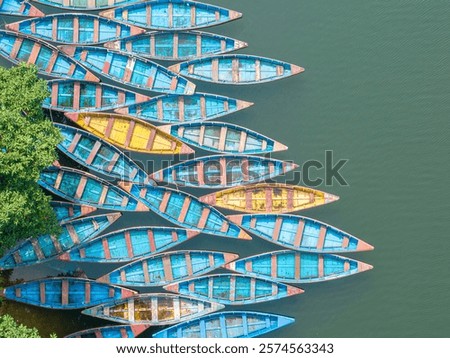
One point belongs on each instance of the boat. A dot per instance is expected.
(177, 45)
(300, 233)
(129, 244)
(65, 293)
(86, 189)
(19, 8)
(171, 14)
(69, 211)
(168, 109)
(155, 309)
(85, 5)
(222, 171)
(232, 289)
(185, 210)
(49, 61)
(223, 137)
(75, 96)
(236, 69)
(168, 267)
(47, 247)
(67, 28)
(297, 267)
(98, 155)
(231, 324)
(121, 331)
(130, 70)
(129, 133)
(268, 198)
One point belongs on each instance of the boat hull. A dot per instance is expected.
(231, 289)
(19, 8)
(236, 69)
(65, 293)
(300, 233)
(268, 198)
(68, 211)
(85, 5)
(47, 247)
(222, 171)
(153, 309)
(241, 324)
(122, 331)
(129, 244)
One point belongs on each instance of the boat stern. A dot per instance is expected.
(113, 217)
(109, 14)
(141, 98)
(190, 88)
(362, 266)
(329, 198)
(209, 199)
(364, 246)
(234, 15)
(68, 49)
(191, 233)
(229, 257)
(284, 321)
(73, 116)
(13, 27)
(165, 128)
(135, 30)
(292, 290)
(104, 279)
(176, 68)
(238, 44)
(185, 149)
(244, 236)
(126, 293)
(243, 104)
(85, 210)
(237, 219)
(91, 77)
(137, 329)
(279, 147)
(230, 266)
(112, 45)
(35, 12)
(295, 70)
(173, 287)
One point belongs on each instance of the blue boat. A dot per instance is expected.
(129, 69)
(49, 61)
(172, 14)
(236, 69)
(19, 8)
(47, 247)
(75, 96)
(185, 210)
(231, 289)
(155, 309)
(85, 5)
(86, 189)
(162, 269)
(69, 211)
(239, 324)
(297, 267)
(180, 108)
(65, 293)
(129, 244)
(83, 29)
(223, 137)
(177, 45)
(121, 331)
(98, 155)
(222, 171)
(300, 233)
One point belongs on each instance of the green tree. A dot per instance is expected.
(27, 145)
(9, 328)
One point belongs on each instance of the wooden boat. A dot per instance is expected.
(47, 58)
(167, 267)
(185, 210)
(129, 69)
(231, 324)
(155, 309)
(231, 289)
(129, 244)
(122, 331)
(171, 14)
(268, 198)
(46, 247)
(19, 8)
(222, 171)
(86, 189)
(300, 233)
(177, 45)
(236, 69)
(74, 96)
(67, 28)
(180, 108)
(69, 211)
(85, 5)
(223, 138)
(98, 155)
(129, 133)
(65, 293)
(297, 267)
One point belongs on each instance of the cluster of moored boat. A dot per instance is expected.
(117, 45)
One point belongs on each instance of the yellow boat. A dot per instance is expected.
(268, 198)
(129, 133)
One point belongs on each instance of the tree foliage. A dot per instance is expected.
(27, 145)
(9, 328)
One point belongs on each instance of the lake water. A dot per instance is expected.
(376, 92)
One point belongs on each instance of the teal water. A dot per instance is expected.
(376, 91)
